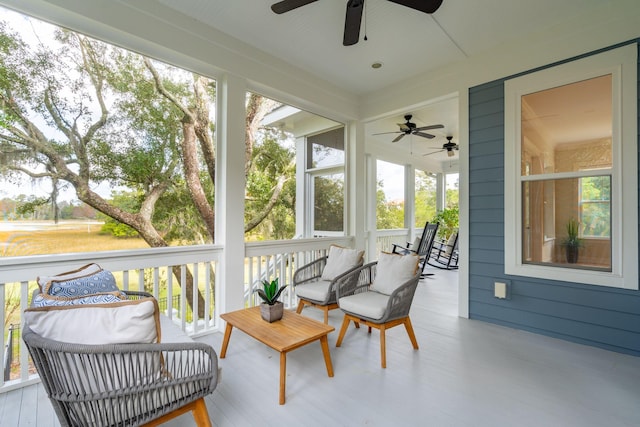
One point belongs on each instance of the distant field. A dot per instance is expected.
(38, 238)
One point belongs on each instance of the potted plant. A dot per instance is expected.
(572, 243)
(271, 309)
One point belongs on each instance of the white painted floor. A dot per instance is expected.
(466, 373)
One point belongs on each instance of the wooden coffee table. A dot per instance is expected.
(292, 332)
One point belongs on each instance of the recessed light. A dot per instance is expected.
(376, 65)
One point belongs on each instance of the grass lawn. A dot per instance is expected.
(65, 237)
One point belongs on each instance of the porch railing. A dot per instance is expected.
(268, 260)
(149, 269)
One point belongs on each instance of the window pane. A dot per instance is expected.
(560, 228)
(595, 206)
(326, 149)
(567, 128)
(328, 202)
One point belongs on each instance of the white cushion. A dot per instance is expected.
(366, 304)
(393, 270)
(315, 291)
(85, 270)
(135, 321)
(450, 244)
(416, 244)
(340, 260)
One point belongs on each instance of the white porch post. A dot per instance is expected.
(303, 227)
(356, 206)
(230, 184)
(410, 201)
(440, 191)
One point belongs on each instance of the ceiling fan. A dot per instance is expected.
(449, 146)
(354, 13)
(409, 128)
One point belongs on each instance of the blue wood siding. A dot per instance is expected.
(594, 315)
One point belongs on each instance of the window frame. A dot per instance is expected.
(621, 63)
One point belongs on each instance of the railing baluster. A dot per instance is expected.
(24, 353)
(170, 292)
(2, 341)
(196, 291)
(183, 297)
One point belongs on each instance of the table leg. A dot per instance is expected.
(225, 340)
(327, 356)
(283, 375)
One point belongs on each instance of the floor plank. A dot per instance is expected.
(465, 373)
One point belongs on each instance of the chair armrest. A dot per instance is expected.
(403, 249)
(400, 299)
(310, 271)
(355, 280)
(116, 380)
(138, 294)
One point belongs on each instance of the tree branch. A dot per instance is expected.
(164, 92)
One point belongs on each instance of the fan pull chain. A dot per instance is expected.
(365, 20)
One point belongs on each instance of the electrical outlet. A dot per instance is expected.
(501, 290)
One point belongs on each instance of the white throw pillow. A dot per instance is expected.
(340, 260)
(393, 270)
(135, 321)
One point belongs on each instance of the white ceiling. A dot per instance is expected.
(407, 42)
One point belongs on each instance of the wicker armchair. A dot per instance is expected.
(125, 384)
(362, 304)
(312, 290)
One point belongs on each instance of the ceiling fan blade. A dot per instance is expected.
(352, 22)
(424, 135)
(426, 6)
(433, 152)
(385, 133)
(399, 137)
(429, 127)
(287, 5)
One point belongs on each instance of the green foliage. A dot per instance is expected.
(31, 205)
(448, 220)
(270, 291)
(127, 201)
(572, 239)
(273, 166)
(117, 229)
(389, 215)
(425, 197)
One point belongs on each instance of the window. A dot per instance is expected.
(324, 160)
(295, 184)
(570, 138)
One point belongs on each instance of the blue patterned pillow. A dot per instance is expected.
(96, 283)
(42, 300)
